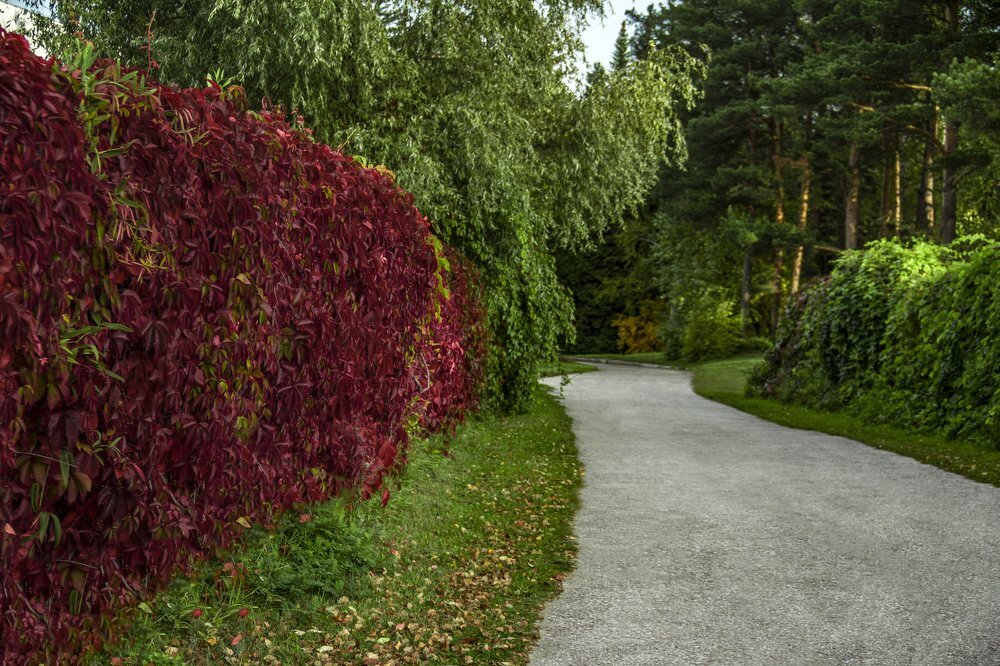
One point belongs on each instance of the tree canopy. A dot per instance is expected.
(472, 105)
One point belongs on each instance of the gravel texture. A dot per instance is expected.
(709, 536)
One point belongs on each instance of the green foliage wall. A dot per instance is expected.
(902, 334)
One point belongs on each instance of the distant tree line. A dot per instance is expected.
(826, 124)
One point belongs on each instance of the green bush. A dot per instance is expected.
(710, 330)
(901, 334)
(859, 298)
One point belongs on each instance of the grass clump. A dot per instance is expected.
(725, 381)
(454, 570)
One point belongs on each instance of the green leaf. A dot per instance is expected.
(75, 602)
(43, 525)
(56, 528)
(65, 464)
(36, 496)
(113, 375)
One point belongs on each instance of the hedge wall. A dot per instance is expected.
(902, 334)
(205, 318)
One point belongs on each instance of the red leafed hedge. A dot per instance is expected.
(453, 370)
(205, 317)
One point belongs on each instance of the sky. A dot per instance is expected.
(8, 19)
(600, 39)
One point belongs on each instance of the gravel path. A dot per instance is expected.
(709, 536)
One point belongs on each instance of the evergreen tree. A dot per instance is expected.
(621, 55)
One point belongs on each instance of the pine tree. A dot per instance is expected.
(621, 56)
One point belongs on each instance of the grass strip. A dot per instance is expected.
(562, 368)
(455, 569)
(724, 381)
(656, 358)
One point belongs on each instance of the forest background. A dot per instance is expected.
(825, 125)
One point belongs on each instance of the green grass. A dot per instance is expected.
(561, 368)
(657, 358)
(724, 381)
(454, 570)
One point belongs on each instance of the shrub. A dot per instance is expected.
(901, 334)
(638, 333)
(857, 303)
(710, 328)
(205, 318)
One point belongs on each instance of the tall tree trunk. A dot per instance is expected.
(852, 202)
(779, 217)
(897, 216)
(745, 291)
(779, 260)
(949, 191)
(888, 180)
(949, 194)
(800, 251)
(925, 194)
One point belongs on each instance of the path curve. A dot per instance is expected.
(709, 536)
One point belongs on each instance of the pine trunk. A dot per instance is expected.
(897, 216)
(779, 217)
(949, 191)
(745, 291)
(888, 180)
(800, 251)
(925, 194)
(852, 201)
